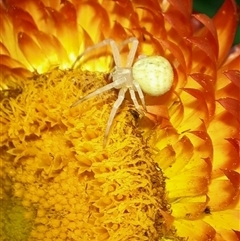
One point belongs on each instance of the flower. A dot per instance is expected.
(161, 176)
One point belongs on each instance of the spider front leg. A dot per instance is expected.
(132, 51)
(112, 43)
(118, 102)
(100, 91)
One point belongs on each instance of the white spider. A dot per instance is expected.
(153, 75)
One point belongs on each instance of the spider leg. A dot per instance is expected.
(105, 42)
(118, 102)
(140, 93)
(133, 50)
(134, 99)
(111, 73)
(99, 91)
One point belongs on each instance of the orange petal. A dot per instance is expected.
(208, 33)
(226, 235)
(184, 152)
(177, 52)
(234, 76)
(237, 234)
(180, 24)
(224, 220)
(32, 52)
(156, 113)
(228, 194)
(189, 207)
(200, 104)
(235, 143)
(97, 20)
(226, 28)
(166, 157)
(11, 63)
(187, 184)
(232, 106)
(181, 7)
(52, 49)
(66, 25)
(156, 21)
(232, 61)
(222, 128)
(204, 45)
(196, 230)
(14, 74)
(168, 219)
(205, 148)
(3, 50)
(22, 20)
(176, 111)
(206, 82)
(208, 23)
(234, 178)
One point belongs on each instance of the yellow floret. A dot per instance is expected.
(78, 189)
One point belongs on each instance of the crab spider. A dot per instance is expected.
(152, 75)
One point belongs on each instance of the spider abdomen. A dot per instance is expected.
(154, 75)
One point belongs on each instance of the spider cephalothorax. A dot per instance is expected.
(152, 75)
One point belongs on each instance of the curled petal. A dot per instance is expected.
(11, 63)
(192, 180)
(232, 61)
(208, 23)
(168, 219)
(225, 154)
(189, 207)
(233, 55)
(97, 20)
(224, 221)
(178, 54)
(206, 147)
(32, 52)
(206, 82)
(208, 33)
(12, 77)
(186, 185)
(228, 194)
(205, 46)
(166, 157)
(228, 12)
(3, 49)
(202, 102)
(232, 106)
(182, 7)
(184, 152)
(157, 20)
(22, 20)
(176, 112)
(237, 234)
(202, 231)
(227, 235)
(234, 76)
(155, 112)
(236, 144)
(234, 178)
(178, 23)
(49, 44)
(65, 22)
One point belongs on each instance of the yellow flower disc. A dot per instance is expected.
(73, 184)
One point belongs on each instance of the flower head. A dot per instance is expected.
(161, 175)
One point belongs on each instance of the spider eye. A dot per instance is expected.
(154, 75)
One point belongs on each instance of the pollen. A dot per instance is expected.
(69, 185)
